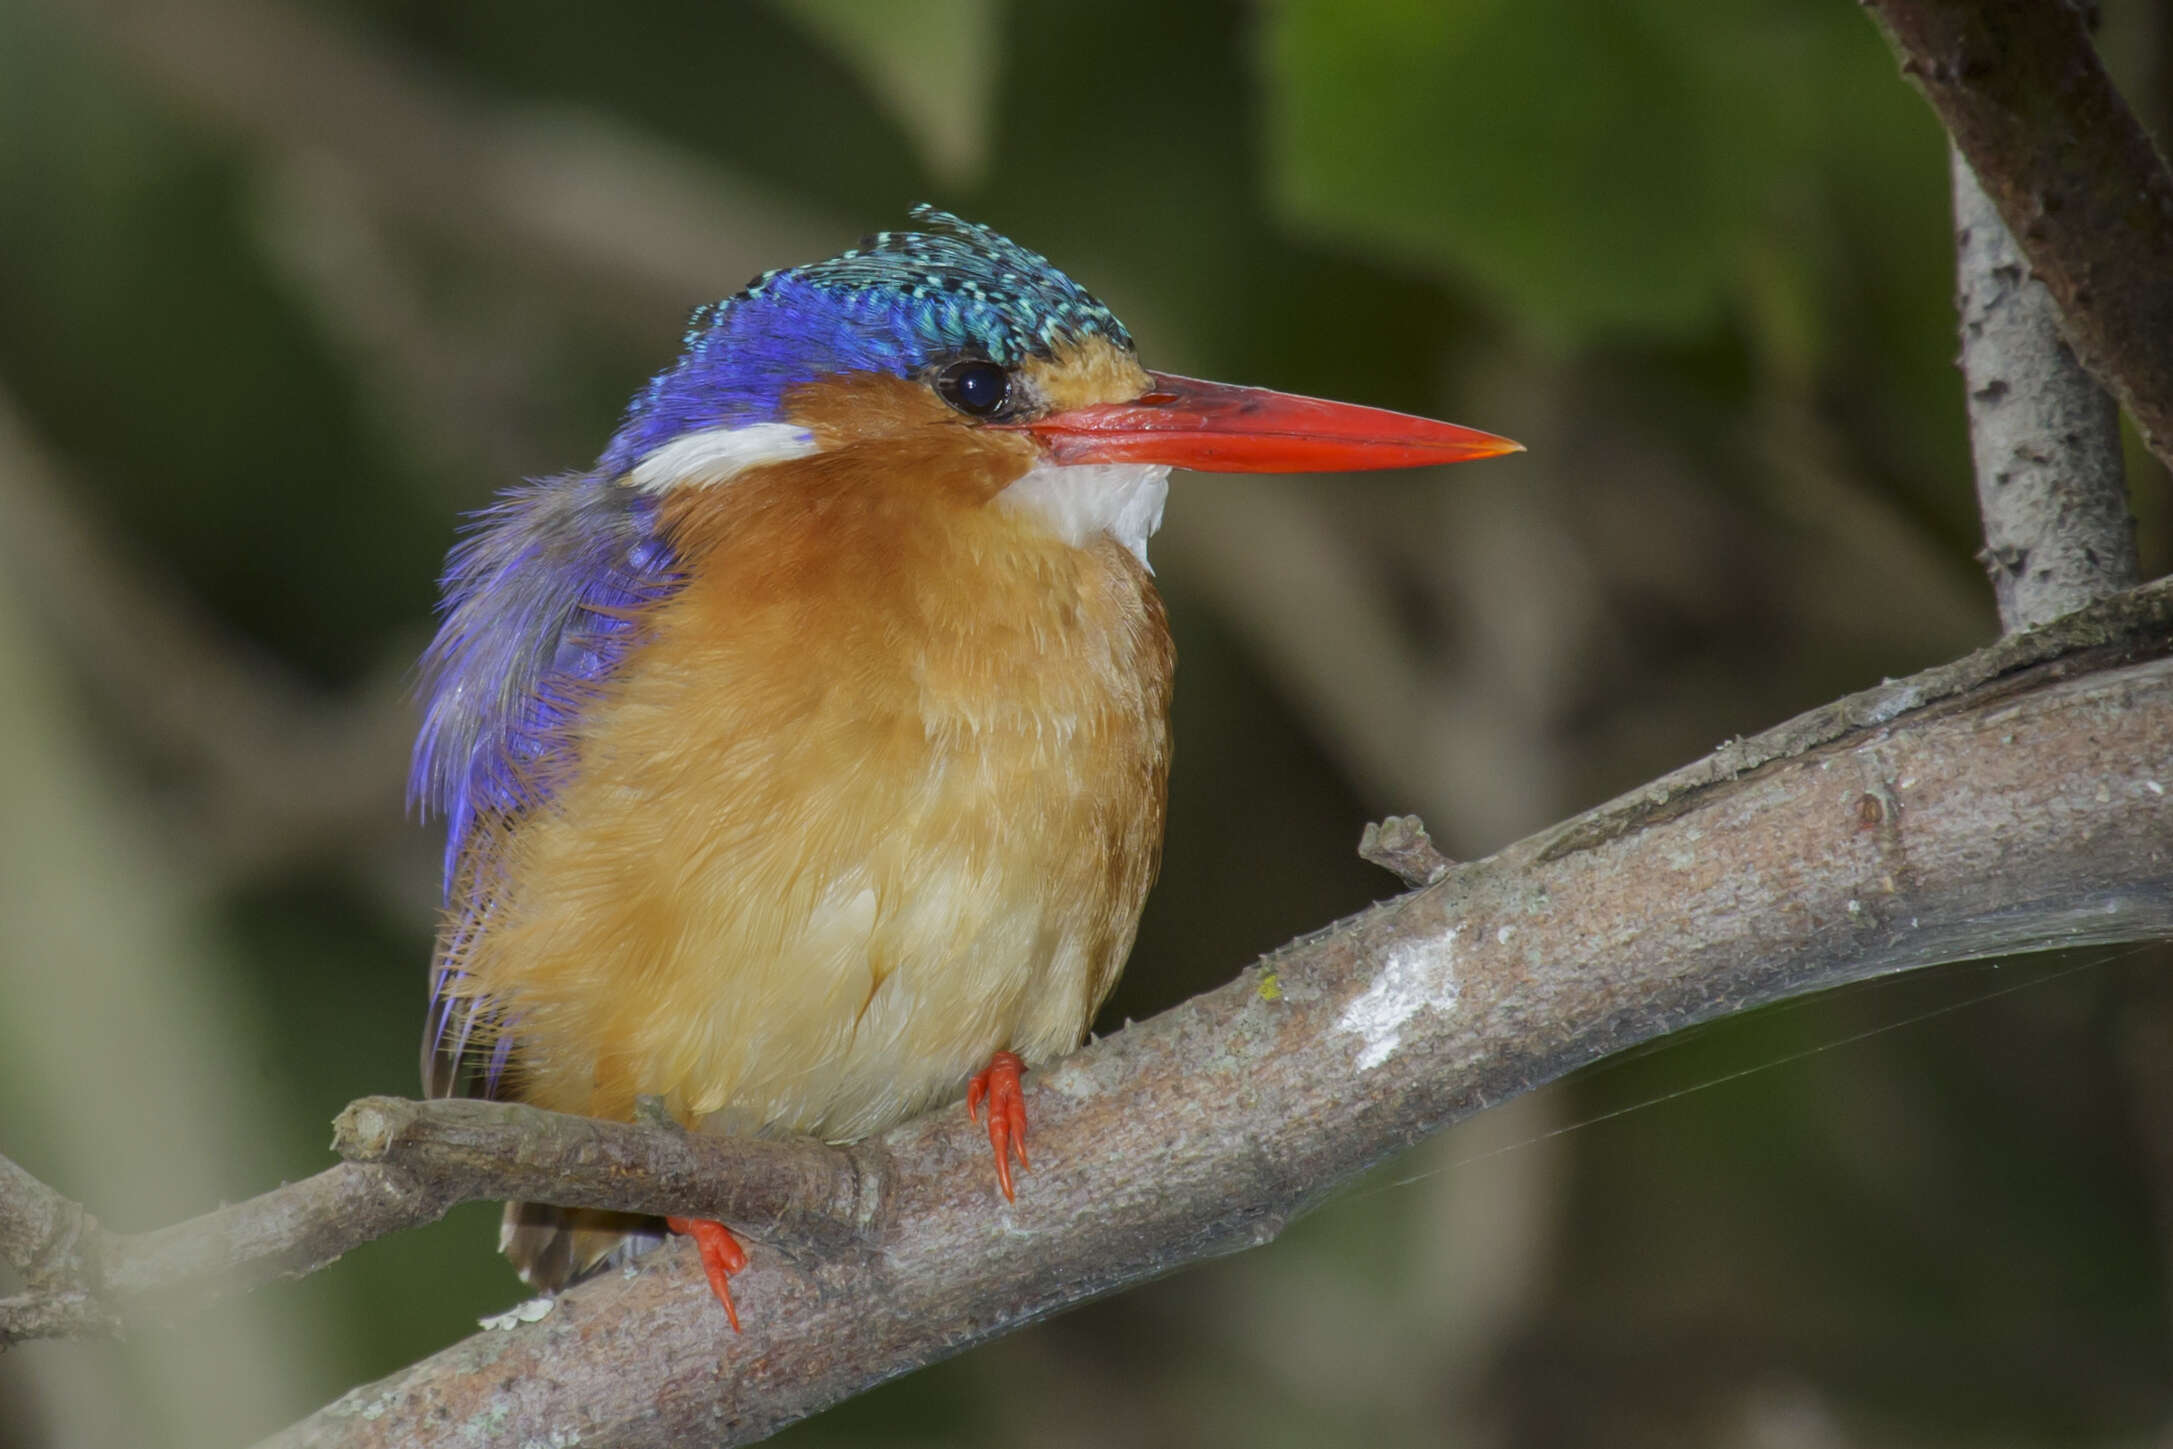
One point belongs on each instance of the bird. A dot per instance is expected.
(803, 761)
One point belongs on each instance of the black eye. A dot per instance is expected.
(977, 388)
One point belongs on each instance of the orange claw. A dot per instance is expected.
(1006, 1113)
(722, 1256)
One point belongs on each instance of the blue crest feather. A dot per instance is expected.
(894, 304)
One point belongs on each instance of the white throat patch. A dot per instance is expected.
(717, 455)
(1123, 500)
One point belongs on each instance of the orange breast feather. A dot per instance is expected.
(880, 794)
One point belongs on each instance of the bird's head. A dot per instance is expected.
(955, 347)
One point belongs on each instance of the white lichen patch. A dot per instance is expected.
(519, 1313)
(561, 1438)
(1419, 975)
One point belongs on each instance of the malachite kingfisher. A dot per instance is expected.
(803, 760)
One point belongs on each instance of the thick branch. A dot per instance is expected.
(2014, 801)
(2046, 438)
(408, 1164)
(2022, 92)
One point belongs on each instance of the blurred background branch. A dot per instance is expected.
(620, 219)
(267, 770)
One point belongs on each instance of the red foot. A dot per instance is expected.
(1006, 1113)
(722, 1256)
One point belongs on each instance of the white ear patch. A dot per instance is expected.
(717, 455)
(1123, 500)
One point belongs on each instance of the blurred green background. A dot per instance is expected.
(286, 285)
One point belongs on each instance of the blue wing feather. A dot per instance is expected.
(539, 604)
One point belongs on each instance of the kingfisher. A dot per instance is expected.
(803, 761)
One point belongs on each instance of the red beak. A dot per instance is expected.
(1213, 427)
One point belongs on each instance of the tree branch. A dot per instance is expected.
(811, 1196)
(2013, 801)
(408, 1163)
(40, 1231)
(2072, 172)
(2051, 484)
(1401, 845)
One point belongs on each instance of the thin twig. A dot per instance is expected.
(70, 1313)
(408, 1164)
(1401, 845)
(2050, 480)
(795, 1192)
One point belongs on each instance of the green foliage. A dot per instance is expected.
(1597, 170)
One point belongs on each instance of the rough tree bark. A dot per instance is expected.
(2046, 438)
(2072, 172)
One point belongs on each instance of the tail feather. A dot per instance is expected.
(553, 1247)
